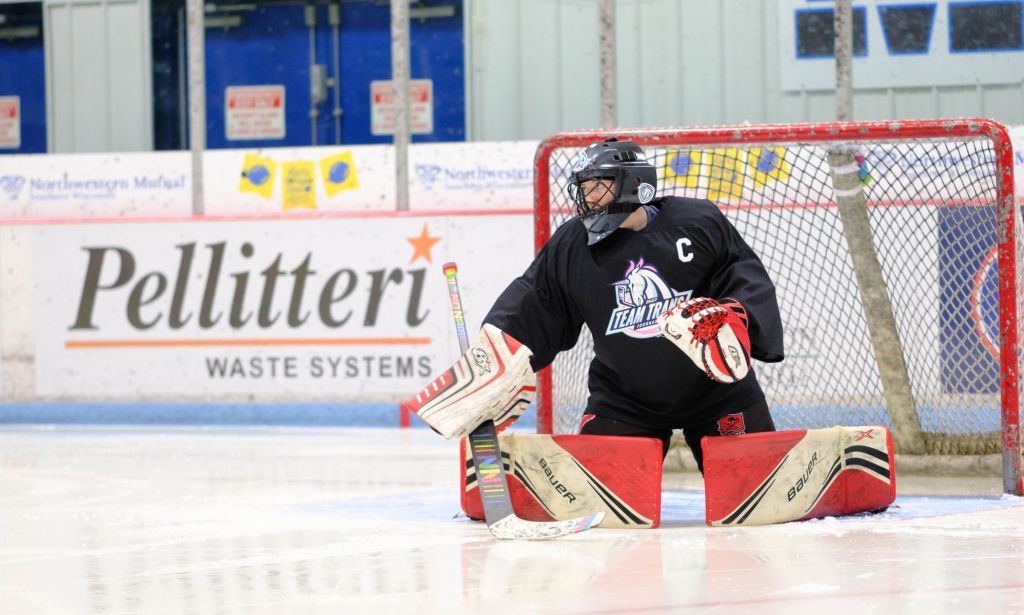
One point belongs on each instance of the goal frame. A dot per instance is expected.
(841, 132)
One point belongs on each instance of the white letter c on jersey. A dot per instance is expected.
(685, 255)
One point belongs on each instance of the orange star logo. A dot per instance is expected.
(421, 245)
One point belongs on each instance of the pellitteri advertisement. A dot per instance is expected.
(295, 309)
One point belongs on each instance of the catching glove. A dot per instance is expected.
(713, 335)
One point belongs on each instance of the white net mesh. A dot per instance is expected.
(932, 206)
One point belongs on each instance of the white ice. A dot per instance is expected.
(289, 520)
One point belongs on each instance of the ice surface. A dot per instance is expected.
(287, 520)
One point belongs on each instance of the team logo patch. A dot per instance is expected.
(645, 192)
(732, 424)
(641, 296)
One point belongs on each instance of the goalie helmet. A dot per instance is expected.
(635, 180)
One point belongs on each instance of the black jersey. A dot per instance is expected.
(619, 286)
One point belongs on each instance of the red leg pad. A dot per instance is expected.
(560, 477)
(774, 477)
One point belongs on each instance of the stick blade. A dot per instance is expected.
(514, 528)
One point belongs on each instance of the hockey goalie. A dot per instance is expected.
(678, 304)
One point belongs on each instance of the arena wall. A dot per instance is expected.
(299, 284)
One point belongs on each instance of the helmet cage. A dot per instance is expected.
(579, 195)
(622, 162)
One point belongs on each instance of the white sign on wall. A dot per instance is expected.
(254, 112)
(476, 175)
(443, 176)
(96, 185)
(903, 44)
(421, 107)
(349, 309)
(10, 122)
(299, 179)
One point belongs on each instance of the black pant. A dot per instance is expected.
(755, 418)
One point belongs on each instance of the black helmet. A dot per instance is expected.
(635, 181)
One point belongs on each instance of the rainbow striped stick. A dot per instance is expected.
(490, 470)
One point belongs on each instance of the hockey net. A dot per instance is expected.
(895, 249)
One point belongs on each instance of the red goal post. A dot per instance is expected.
(872, 232)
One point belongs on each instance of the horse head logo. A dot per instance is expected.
(643, 285)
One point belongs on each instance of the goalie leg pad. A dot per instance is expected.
(553, 478)
(774, 477)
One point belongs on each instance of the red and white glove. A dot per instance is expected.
(492, 380)
(714, 336)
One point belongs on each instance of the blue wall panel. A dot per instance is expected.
(23, 74)
(272, 47)
(436, 52)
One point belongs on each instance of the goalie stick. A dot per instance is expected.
(483, 442)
